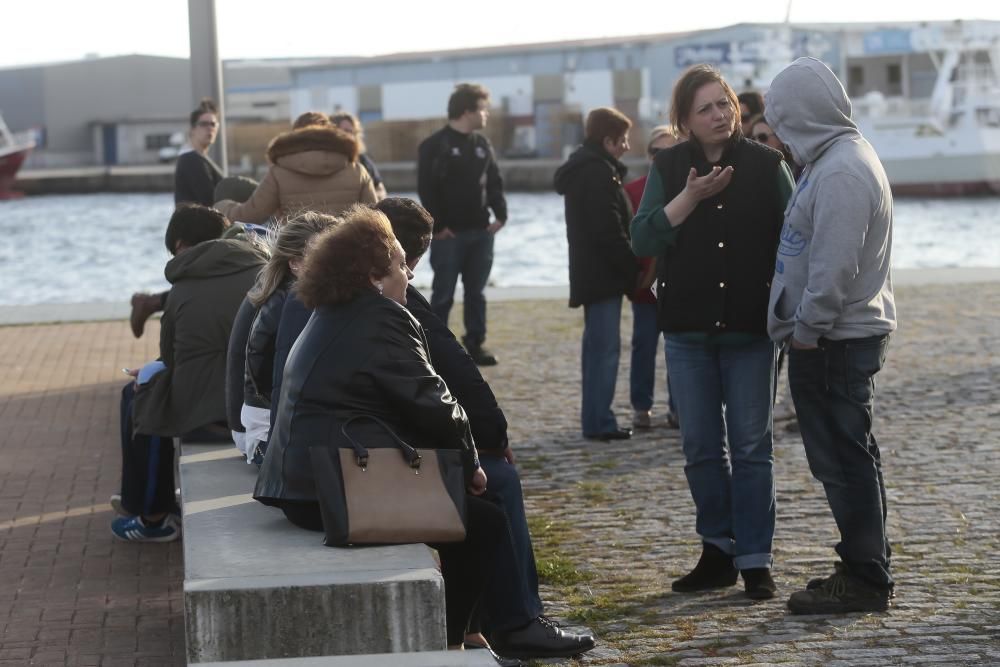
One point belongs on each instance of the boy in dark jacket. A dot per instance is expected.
(602, 267)
(209, 276)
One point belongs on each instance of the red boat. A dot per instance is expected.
(14, 148)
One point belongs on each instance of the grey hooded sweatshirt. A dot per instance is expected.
(832, 277)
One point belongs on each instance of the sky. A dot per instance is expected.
(57, 30)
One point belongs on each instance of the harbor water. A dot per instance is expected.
(103, 247)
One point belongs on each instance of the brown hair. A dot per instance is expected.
(310, 119)
(341, 259)
(359, 132)
(466, 98)
(606, 123)
(687, 87)
(207, 105)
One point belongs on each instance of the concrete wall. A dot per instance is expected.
(111, 89)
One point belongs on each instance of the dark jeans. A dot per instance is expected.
(599, 354)
(504, 489)
(481, 570)
(147, 466)
(470, 254)
(642, 371)
(833, 388)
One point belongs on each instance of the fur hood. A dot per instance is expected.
(313, 151)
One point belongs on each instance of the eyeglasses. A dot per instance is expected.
(762, 137)
(207, 123)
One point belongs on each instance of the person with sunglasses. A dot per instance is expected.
(762, 133)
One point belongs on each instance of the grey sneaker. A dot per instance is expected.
(116, 505)
(840, 593)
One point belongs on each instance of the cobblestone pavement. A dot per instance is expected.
(613, 523)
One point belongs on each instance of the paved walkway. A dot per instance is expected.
(613, 523)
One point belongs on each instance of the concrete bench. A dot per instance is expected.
(257, 587)
(424, 659)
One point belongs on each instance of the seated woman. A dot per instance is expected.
(313, 168)
(268, 298)
(363, 353)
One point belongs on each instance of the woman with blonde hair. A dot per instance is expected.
(314, 167)
(268, 296)
(712, 213)
(349, 123)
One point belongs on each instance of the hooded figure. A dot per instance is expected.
(831, 276)
(313, 168)
(832, 297)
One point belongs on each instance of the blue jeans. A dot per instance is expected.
(723, 396)
(599, 355)
(833, 388)
(471, 255)
(504, 488)
(642, 372)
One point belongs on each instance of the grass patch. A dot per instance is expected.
(558, 570)
(595, 492)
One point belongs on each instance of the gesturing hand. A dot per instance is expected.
(712, 183)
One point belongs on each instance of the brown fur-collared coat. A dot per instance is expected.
(312, 169)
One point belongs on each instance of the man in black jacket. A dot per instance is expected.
(459, 182)
(602, 267)
(412, 225)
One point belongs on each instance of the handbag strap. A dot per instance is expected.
(411, 455)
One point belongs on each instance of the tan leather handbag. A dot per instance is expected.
(387, 492)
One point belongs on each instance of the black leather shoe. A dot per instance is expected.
(715, 569)
(758, 584)
(479, 354)
(541, 639)
(617, 434)
(503, 662)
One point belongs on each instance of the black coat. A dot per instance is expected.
(294, 316)
(260, 350)
(366, 357)
(459, 371)
(601, 263)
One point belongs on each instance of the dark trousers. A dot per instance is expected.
(147, 466)
(481, 570)
(469, 254)
(504, 489)
(833, 388)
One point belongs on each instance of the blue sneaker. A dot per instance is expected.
(133, 529)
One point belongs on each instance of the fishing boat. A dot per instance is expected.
(14, 149)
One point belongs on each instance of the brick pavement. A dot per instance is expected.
(613, 523)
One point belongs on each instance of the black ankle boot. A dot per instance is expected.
(758, 584)
(715, 569)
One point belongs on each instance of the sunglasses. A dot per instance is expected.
(207, 123)
(762, 137)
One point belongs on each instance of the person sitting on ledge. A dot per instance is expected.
(364, 353)
(184, 389)
(314, 167)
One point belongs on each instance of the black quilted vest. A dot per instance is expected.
(716, 277)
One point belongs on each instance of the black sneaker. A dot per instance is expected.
(841, 593)
(838, 568)
(715, 569)
(758, 584)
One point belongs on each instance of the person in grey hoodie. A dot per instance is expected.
(832, 303)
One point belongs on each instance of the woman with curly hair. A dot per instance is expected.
(363, 354)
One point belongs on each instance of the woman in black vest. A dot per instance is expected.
(712, 214)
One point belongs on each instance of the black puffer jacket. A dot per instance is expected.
(236, 362)
(366, 357)
(601, 263)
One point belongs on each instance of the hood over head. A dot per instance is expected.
(586, 154)
(808, 108)
(212, 259)
(313, 150)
